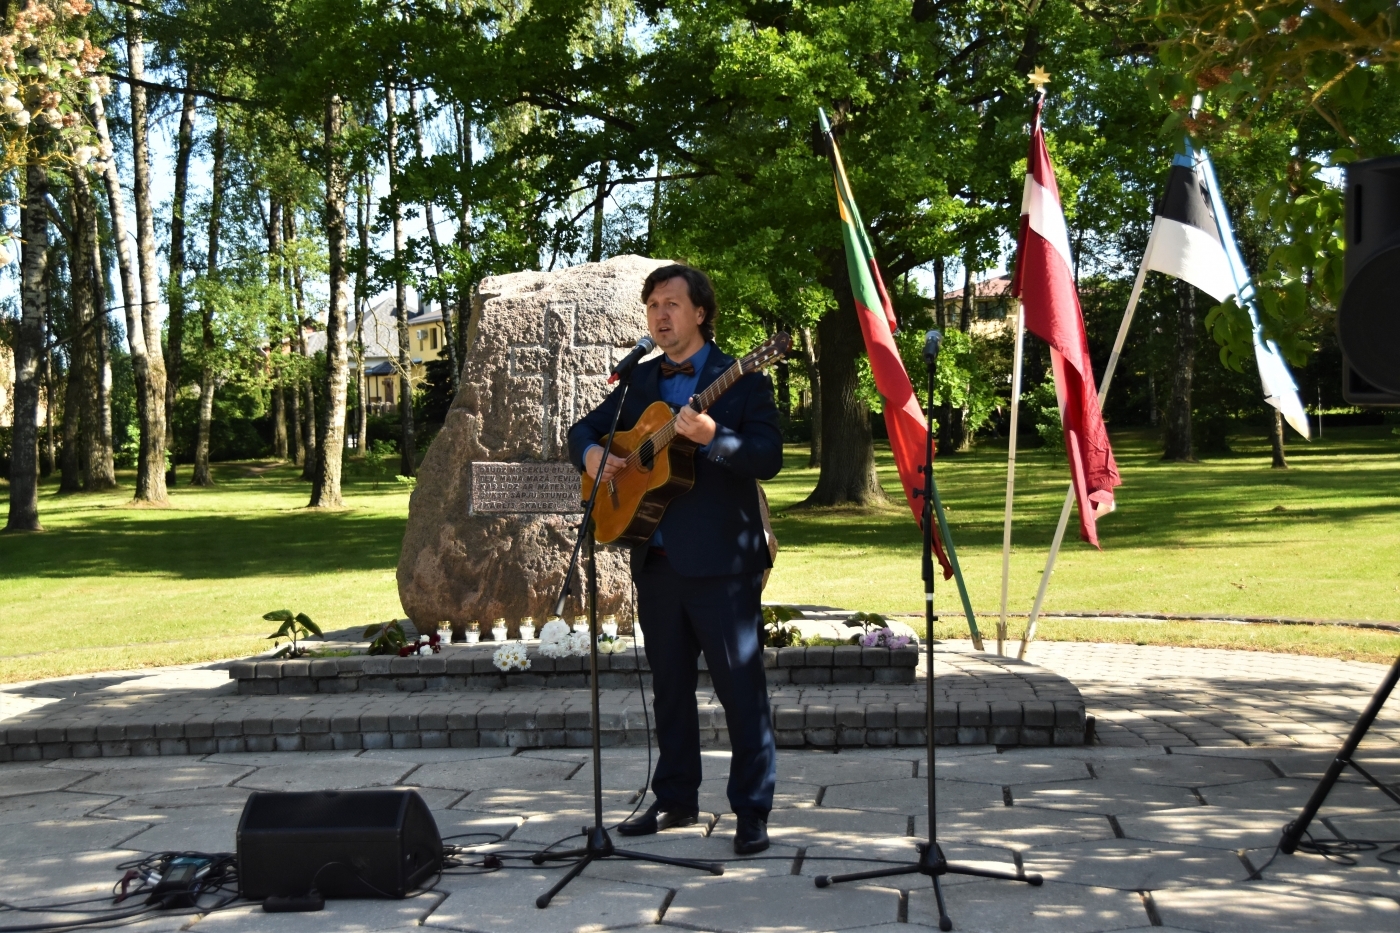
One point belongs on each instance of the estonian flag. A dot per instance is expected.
(1192, 240)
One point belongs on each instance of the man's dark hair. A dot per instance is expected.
(702, 293)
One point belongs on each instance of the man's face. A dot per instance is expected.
(673, 320)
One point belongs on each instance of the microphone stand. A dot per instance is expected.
(931, 860)
(599, 844)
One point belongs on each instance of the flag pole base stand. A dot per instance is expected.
(932, 864)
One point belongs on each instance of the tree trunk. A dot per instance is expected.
(362, 306)
(29, 348)
(463, 124)
(49, 455)
(71, 459)
(811, 359)
(101, 472)
(274, 266)
(1178, 423)
(207, 369)
(848, 453)
(449, 327)
(306, 390)
(1276, 442)
(279, 421)
(654, 214)
(325, 490)
(294, 413)
(408, 461)
(595, 253)
(175, 288)
(150, 470)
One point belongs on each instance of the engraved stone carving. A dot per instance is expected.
(539, 349)
(525, 487)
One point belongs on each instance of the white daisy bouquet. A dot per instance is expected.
(511, 657)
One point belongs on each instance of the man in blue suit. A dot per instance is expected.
(700, 578)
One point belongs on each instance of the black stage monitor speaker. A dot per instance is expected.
(358, 843)
(1368, 321)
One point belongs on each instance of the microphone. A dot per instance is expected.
(626, 364)
(932, 342)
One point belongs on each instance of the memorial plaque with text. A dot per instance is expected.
(538, 488)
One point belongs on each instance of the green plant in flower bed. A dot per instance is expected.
(777, 630)
(293, 627)
(386, 638)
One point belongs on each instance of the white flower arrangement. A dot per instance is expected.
(554, 639)
(608, 645)
(511, 657)
(578, 644)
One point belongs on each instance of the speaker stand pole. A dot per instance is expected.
(599, 845)
(931, 860)
(1293, 832)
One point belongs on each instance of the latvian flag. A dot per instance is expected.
(1192, 240)
(1044, 281)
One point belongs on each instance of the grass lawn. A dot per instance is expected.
(110, 586)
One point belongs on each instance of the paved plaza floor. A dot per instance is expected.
(1169, 823)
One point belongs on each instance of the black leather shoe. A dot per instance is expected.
(656, 819)
(751, 836)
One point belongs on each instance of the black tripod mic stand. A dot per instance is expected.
(931, 861)
(599, 844)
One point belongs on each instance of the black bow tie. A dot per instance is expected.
(676, 369)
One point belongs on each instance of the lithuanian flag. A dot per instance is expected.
(904, 419)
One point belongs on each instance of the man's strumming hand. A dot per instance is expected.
(695, 425)
(595, 454)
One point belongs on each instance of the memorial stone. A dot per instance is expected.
(491, 521)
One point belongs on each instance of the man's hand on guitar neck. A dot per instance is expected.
(695, 425)
(595, 454)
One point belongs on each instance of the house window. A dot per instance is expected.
(388, 392)
(434, 333)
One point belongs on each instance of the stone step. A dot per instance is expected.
(470, 667)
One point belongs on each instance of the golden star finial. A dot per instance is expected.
(1040, 77)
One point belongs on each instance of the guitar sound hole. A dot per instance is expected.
(647, 454)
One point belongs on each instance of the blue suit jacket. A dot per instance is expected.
(716, 527)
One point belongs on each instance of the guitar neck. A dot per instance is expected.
(702, 401)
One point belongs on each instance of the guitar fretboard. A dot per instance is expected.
(667, 433)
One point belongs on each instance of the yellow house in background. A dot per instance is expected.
(426, 341)
(993, 306)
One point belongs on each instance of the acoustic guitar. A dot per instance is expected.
(661, 463)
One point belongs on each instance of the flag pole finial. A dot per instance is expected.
(1039, 78)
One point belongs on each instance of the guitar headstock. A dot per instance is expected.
(772, 350)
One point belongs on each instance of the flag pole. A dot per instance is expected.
(1069, 496)
(1010, 476)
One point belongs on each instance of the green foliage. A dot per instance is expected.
(776, 632)
(293, 627)
(377, 459)
(867, 621)
(385, 638)
(1043, 406)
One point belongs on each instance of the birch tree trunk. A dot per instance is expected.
(325, 489)
(448, 326)
(49, 458)
(274, 266)
(463, 123)
(150, 469)
(175, 288)
(135, 328)
(207, 369)
(361, 306)
(408, 460)
(29, 348)
(595, 254)
(86, 264)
